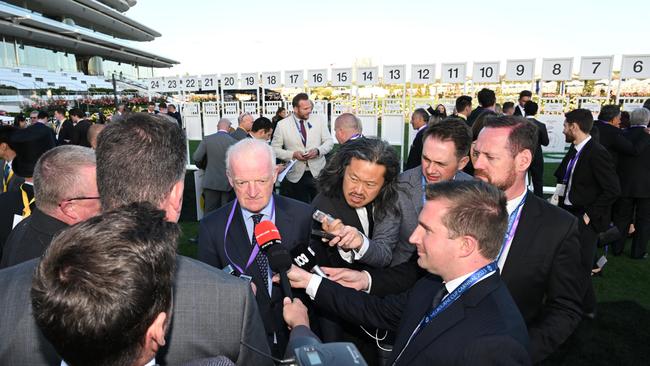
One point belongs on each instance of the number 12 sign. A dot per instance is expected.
(423, 74)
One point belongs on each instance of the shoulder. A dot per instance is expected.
(295, 206)
(556, 216)
(410, 176)
(217, 216)
(190, 272)
(16, 277)
(461, 175)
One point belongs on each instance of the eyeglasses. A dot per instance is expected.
(78, 199)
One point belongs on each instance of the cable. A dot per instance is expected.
(376, 337)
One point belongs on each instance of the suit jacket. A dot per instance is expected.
(519, 110)
(215, 146)
(11, 203)
(484, 311)
(14, 182)
(65, 133)
(542, 140)
(542, 272)
(390, 245)
(634, 171)
(30, 238)
(80, 133)
(212, 313)
(612, 139)
(239, 134)
(293, 220)
(594, 185)
(287, 139)
(415, 153)
(474, 115)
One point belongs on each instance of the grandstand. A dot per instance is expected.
(72, 46)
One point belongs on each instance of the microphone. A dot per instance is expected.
(269, 241)
(305, 258)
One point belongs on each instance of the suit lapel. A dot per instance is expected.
(416, 192)
(526, 231)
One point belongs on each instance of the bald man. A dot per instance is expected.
(347, 127)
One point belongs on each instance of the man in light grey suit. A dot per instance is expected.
(143, 159)
(216, 188)
(444, 155)
(306, 139)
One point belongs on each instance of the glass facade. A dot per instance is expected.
(17, 54)
(126, 70)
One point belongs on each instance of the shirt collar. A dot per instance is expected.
(460, 115)
(266, 211)
(513, 203)
(453, 284)
(423, 126)
(583, 143)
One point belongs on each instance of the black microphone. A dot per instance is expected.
(305, 258)
(269, 241)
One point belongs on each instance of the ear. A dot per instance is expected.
(69, 213)
(523, 159)
(155, 336)
(468, 245)
(463, 162)
(174, 202)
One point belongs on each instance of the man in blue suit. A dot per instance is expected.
(226, 235)
(469, 318)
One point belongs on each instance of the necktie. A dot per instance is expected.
(261, 260)
(303, 132)
(571, 155)
(6, 172)
(439, 296)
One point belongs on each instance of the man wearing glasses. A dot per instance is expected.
(65, 191)
(226, 234)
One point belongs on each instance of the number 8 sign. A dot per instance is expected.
(520, 70)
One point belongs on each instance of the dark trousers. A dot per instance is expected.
(215, 199)
(628, 210)
(537, 178)
(304, 190)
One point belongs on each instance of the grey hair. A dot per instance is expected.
(348, 121)
(253, 147)
(56, 175)
(224, 123)
(242, 116)
(640, 117)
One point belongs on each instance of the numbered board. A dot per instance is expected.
(317, 78)
(249, 80)
(394, 74)
(453, 73)
(557, 69)
(423, 74)
(486, 72)
(367, 75)
(342, 77)
(272, 79)
(209, 82)
(520, 70)
(155, 85)
(294, 79)
(173, 85)
(596, 67)
(191, 83)
(229, 81)
(635, 67)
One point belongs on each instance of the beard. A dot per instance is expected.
(569, 138)
(503, 184)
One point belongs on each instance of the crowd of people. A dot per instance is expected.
(457, 257)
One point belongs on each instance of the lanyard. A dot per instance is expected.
(5, 182)
(513, 221)
(26, 203)
(569, 168)
(450, 299)
(354, 137)
(256, 248)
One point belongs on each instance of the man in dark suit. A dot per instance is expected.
(80, 129)
(57, 205)
(419, 120)
(587, 187)
(610, 135)
(216, 188)
(65, 127)
(143, 158)
(463, 107)
(226, 235)
(10, 181)
(245, 123)
(542, 271)
(171, 110)
(524, 97)
(486, 100)
(357, 188)
(458, 238)
(29, 144)
(537, 167)
(634, 173)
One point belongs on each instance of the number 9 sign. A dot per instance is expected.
(520, 70)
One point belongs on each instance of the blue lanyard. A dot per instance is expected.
(256, 248)
(569, 167)
(513, 222)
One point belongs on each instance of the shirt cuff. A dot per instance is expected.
(312, 286)
(369, 282)
(347, 256)
(358, 254)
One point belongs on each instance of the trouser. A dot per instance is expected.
(215, 199)
(628, 210)
(304, 190)
(537, 177)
